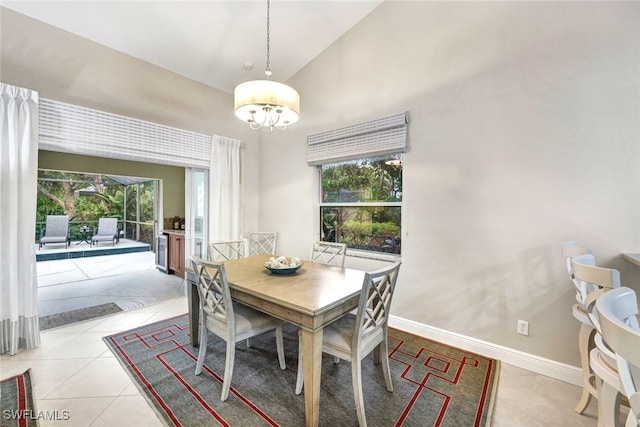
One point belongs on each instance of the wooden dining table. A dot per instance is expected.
(311, 298)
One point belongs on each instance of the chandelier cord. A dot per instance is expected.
(267, 70)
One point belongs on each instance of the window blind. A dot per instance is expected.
(387, 135)
(73, 129)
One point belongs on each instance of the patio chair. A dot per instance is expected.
(107, 231)
(56, 230)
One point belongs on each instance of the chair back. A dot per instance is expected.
(262, 242)
(224, 250)
(591, 277)
(372, 315)
(618, 314)
(108, 226)
(57, 226)
(329, 253)
(215, 298)
(570, 250)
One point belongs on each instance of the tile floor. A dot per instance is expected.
(74, 371)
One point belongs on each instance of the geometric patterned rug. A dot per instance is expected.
(434, 384)
(17, 403)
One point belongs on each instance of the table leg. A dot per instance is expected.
(312, 356)
(194, 312)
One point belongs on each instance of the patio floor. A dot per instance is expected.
(129, 280)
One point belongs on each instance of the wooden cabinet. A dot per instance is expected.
(176, 254)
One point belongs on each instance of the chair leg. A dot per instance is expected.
(608, 405)
(585, 343)
(280, 347)
(228, 369)
(300, 377)
(632, 421)
(356, 378)
(383, 352)
(203, 347)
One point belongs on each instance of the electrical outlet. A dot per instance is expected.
(523, 327)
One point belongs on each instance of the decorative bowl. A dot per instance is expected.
(283, 265)
(289, 270)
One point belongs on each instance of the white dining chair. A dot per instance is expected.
(618, 314)
(225, 250)
(233, 322)
(352, 337)
(262, 242)
(601, 358)
(570, 249)
(329, 253)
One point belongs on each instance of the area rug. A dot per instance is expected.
(73, 316)
(434, 384)
(17, 403)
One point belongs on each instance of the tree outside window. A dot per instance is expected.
(361, 203)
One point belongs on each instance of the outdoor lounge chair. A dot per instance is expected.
(56, 230)
(107, 231)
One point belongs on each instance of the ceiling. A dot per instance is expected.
(207, 41)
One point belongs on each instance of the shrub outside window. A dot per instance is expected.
(361, 203)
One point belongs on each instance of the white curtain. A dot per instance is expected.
(225, 189)
(19, 327)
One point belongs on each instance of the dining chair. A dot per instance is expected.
(352, 337)
(232, 322)
(262, 242)
(601, 357)
(618, 314)
(329, 253)
(570, 249)
(224, 250)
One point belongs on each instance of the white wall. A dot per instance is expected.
(524, 133)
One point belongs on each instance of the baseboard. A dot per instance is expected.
(530, 362)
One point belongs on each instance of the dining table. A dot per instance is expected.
(311, 298)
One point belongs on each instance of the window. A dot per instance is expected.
(361, 203)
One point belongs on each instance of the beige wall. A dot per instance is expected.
(172, 177)
(523, 133)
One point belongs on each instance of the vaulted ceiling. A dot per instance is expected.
(212, 42)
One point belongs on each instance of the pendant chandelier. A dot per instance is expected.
(265, 103)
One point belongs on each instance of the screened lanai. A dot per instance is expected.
(87, 197)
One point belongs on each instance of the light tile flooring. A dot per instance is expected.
(73, 371)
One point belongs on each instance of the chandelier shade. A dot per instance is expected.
(266, 103)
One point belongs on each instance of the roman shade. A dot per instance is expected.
(387, 135)
(78, 130)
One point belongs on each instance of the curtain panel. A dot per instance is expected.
(19, 327)
(225, 189)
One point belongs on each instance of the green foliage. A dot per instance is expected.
(369, 180)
